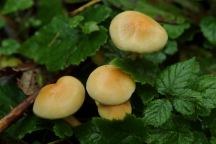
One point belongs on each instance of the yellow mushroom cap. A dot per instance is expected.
(61, 99)
(114, 112)
(136, 32)
(109, 85)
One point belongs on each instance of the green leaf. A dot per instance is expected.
(9, 46)
(174, 31)
(171, 47)
(97, 13)
(146, 93)
(173, 132)
(174, 79)
(141, 70)
(62, 129)
(15, 5)
(98, 131)
(208, 28)
(184, 106)
(213, 140)
(26, 125)
(47, 9)
(158, 112)
(207, 87)
(10, 96)
(156, 57)
(159, 10)
(75, 21)
(90, 27)
(172, 137)
(200, 138)
(2, 22)
(9, 61)
(211, 123)
(58, 45)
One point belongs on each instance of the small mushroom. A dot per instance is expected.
(109, 85)
(60, 100)
(136, 32)
(114, 112)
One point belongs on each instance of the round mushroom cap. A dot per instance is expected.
(61, 99)
(114, 112)
(136, 32)
(109, 85)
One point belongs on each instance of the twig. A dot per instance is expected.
(80, 9)
(16, 112)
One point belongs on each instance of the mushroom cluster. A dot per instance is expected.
(111, 88)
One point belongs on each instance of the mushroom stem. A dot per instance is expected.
(16, 112)
(73, 121)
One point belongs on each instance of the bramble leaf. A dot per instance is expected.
(141, 70)
(97, 131)
(174, 79)
(157, 112)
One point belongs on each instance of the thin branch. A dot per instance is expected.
(82, 8)
(16, 112)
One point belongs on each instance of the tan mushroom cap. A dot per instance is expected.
(109, 85)
(61, 99)
(114, 112)
(136, 32)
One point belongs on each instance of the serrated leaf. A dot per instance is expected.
(15, 5)
(184, 106)
(97, 13)
(146, 93)
(208, 28)
(175, 131)
(157, 112)
(172, 137)
(141, 70)
(62, 129)
(58, 45)
(207, 87)
(98, 131)
(9, 46)
(25, 125)
(174, 79)
(175, 31)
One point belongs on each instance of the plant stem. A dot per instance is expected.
(72, 121)
(82, 8)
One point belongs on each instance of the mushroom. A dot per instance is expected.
(114, 112)
(60, 100)
(136, 32)
(109, 85)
